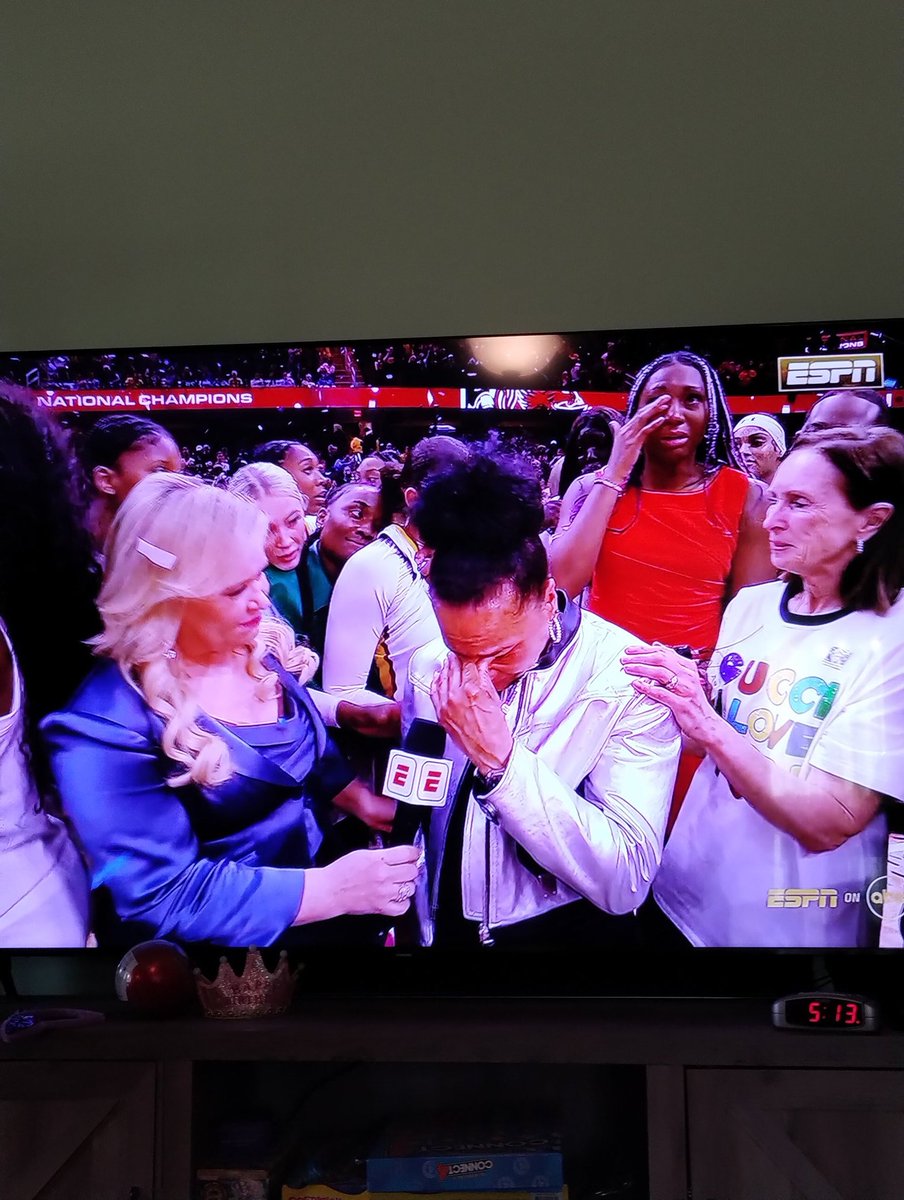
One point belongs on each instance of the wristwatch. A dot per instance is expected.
(485, 781)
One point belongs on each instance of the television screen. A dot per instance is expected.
(544, 643)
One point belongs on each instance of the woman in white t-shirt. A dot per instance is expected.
(48, 582)
(380, 610)
(785, 826)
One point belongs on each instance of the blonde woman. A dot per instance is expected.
(301, 571)
(192, 763)
(278, 496)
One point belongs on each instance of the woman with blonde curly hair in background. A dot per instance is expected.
(192, 762)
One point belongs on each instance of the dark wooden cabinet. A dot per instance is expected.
(795, 1135)
(77, 1129)
(722, 1106)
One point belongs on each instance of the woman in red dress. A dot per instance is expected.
(671, 527)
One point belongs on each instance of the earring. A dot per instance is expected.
(860, 545)
(555, 629)
(169, 652)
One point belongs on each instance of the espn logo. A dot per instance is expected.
(802, 898)
(417, 780)
(822, 371)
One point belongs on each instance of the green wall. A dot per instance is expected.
(208, 171)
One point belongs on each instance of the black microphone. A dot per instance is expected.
(418, 777)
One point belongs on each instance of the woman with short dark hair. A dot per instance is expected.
(804, 740)
(561, 779)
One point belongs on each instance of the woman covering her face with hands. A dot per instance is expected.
(192, 763)
(804, 740)
(561, 772)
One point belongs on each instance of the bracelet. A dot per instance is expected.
(600, 477)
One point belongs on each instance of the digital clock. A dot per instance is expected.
(825, 1010)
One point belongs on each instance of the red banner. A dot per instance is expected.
(511, 399)
(208, 398)
(501, 399)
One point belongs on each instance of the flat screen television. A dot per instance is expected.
(759, 892)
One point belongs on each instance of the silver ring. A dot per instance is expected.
(406, 891)
(670, 683)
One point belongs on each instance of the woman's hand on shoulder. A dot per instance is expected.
(661, 674)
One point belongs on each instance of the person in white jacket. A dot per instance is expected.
(561, 772)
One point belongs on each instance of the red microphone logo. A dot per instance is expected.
(416, 779)
(401, 775)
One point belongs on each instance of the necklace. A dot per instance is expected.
(697, 481)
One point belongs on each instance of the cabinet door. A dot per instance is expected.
(796, 1135)
(72, 1129)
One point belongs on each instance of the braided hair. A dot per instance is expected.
(116, 433)
(275, 451)
(718, 446)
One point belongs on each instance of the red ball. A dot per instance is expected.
(156, 978)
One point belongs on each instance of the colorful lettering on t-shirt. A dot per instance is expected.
(811, 697)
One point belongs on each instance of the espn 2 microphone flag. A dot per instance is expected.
(417, 776)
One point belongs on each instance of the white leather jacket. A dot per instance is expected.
(585, 794)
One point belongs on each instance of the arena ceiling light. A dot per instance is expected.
(517, 356)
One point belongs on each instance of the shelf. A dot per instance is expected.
(653, 1033)
(681, 1086)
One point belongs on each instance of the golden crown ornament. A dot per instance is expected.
(256, 992)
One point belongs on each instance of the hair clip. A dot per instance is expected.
(160, 558)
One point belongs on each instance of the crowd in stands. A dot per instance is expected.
(588, 362)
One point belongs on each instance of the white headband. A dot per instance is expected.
(767, 424)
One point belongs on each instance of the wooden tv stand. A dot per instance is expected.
(733, 1109)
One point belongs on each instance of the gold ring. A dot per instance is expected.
(670, 683)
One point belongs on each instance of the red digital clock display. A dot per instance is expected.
(824, 1010)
